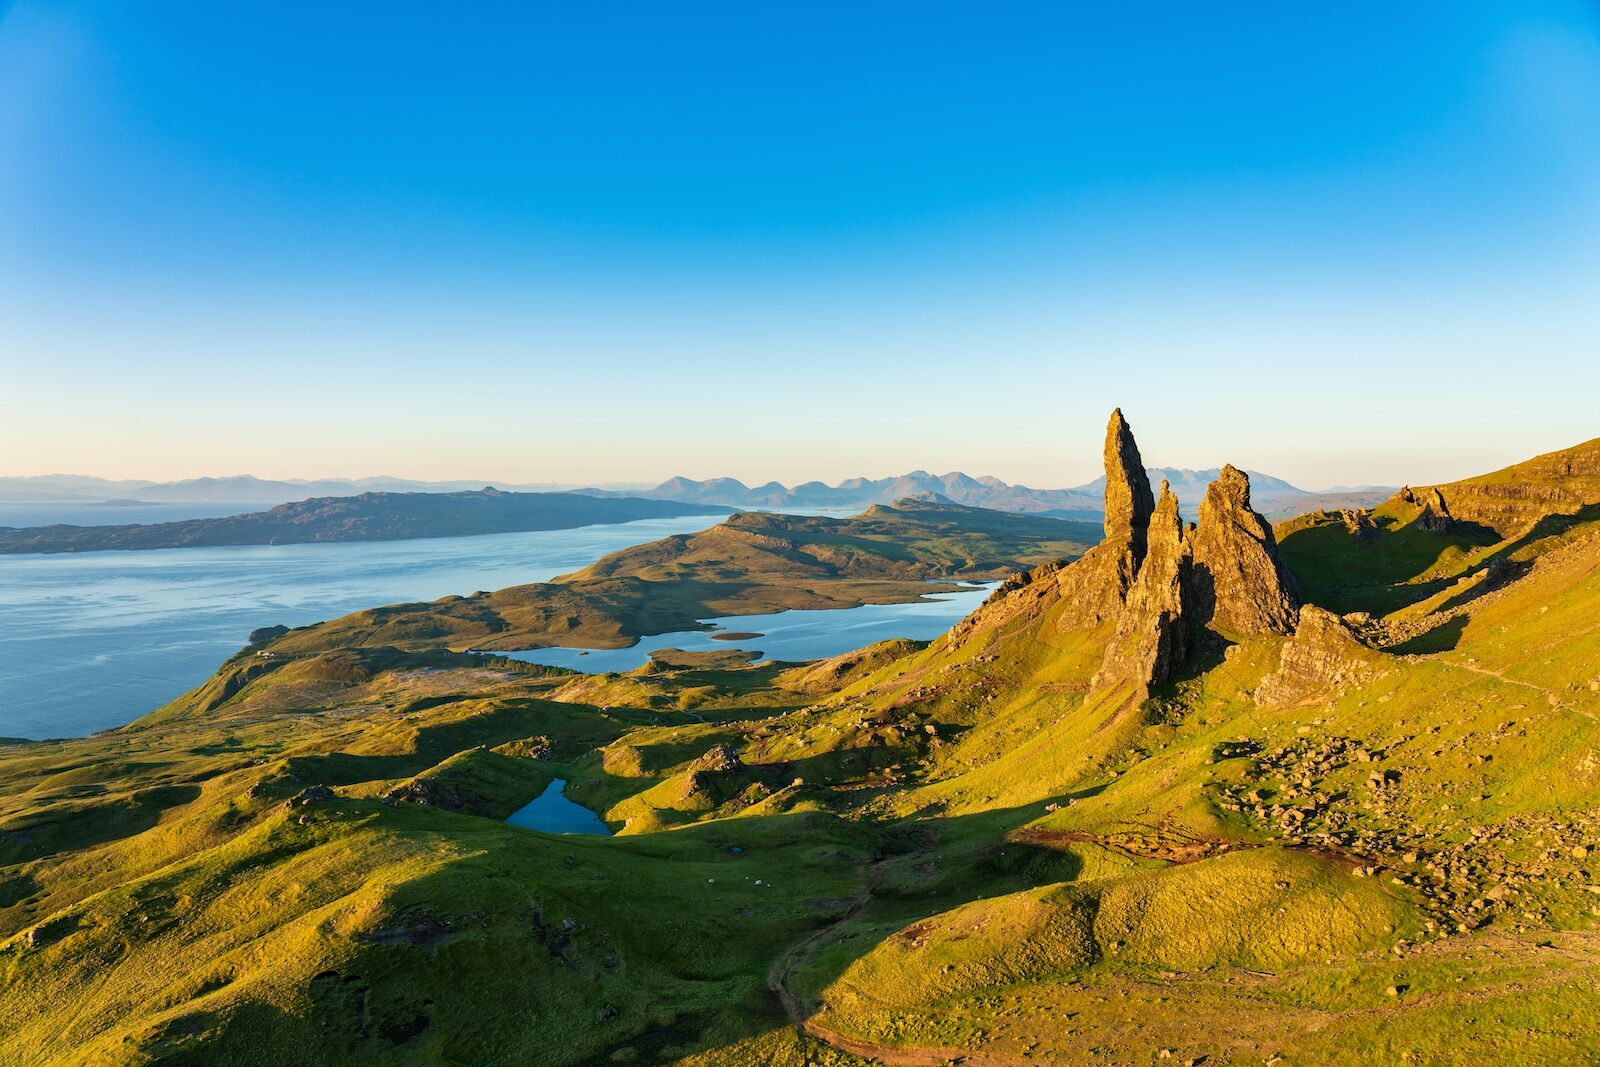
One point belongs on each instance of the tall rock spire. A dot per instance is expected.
(1151, 641)
(1154, 586)
(1096, 585)
(1238, 584)
(1129, 502)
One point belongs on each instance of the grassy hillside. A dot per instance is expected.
(1368, 841)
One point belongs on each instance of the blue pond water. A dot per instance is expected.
(786, 635)
(92, 640)
(553, 813)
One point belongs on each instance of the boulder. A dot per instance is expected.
(1325, 656)
(316, 794)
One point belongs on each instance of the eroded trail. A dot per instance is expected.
(778, 977)
(1550, 695)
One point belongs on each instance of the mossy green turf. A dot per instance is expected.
(922, 852)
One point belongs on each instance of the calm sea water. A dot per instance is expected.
(93, 640)
(786, 635)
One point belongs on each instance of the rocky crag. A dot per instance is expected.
(1158, 582)
(1512, 500)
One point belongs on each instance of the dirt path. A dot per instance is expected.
(908, 1056)
(1549, 694)
(1163, 841)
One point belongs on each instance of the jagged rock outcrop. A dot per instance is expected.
(719, 759)
(435, 794)
(1223, 573)
(1151, 641)
(1435, 516)
(1156, 581)
(1129, 502)
(1096, 586)
(1513, 500)
(715, 776)
(1358, 523)
(1238, 583)
(1325, 656)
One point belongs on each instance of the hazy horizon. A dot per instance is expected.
(1344, 247)
(650, 483)
(754, 480)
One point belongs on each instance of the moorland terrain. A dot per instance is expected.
(1209, 792)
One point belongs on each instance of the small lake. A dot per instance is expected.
(553, 813)
(93, 640)
(786, 635)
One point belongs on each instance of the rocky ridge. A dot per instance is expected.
(1512, 500)
(1157, 581)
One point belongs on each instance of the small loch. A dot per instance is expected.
(786, 635)
(553, 813)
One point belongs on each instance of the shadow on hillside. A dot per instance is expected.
(1441, 638)
(83, 824)
(920, 867)
(1549, 526)
(1377, 569)
(651, 998)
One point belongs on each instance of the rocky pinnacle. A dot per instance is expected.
(1239, 584)
(1129, 502)
(1150, 644)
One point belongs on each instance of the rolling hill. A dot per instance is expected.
(1212, 792)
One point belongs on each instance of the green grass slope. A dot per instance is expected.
(1376, 840)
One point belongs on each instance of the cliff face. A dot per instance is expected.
(1238, 584)
(1097, 585)
(1324, 657)
(1151, 641)
(1158, 582)
(1129, 503)
(1510, 501)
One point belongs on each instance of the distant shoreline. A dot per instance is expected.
(367, 517)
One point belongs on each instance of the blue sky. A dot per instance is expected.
(619, 242)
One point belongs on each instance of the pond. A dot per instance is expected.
(553, 813)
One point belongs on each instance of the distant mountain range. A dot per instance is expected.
(1274, 497)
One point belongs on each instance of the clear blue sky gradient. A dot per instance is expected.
(1344, 244)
